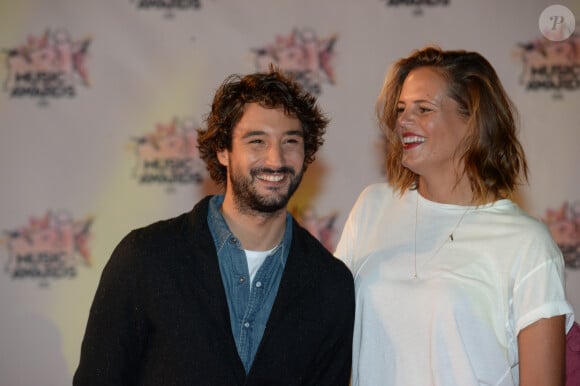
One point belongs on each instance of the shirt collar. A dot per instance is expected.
(222, 233)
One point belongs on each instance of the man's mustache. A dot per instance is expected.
(282, 170)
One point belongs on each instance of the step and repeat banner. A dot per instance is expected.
(100, 102)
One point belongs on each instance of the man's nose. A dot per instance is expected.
(275, 158)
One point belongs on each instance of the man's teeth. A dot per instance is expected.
(413, 139)
(271, 178)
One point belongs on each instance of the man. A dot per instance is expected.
(234, 292)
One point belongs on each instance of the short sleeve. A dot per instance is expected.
(539, 286)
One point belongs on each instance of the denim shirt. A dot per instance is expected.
(249, 303)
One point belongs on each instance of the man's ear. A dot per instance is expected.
(223, 157)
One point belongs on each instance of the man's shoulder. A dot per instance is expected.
(159, 230)
(167, 231)
(318, 256)
(174, 225)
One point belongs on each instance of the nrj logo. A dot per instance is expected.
(49, 66)
(49, 247)
(169, 155)
(302, 55)
(417, 4)
(550, 65)
(564, 225)
(167, 5)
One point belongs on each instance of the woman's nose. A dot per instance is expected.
(405, 119)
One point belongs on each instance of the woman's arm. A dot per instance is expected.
(542, 350)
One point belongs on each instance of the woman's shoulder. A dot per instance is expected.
(516, 217)
(376, 199)
(378, 191)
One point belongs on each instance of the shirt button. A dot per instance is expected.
(242, 279)
(234, 240)
(247, 324)
(258, 284)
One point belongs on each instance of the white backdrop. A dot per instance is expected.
(99, 100)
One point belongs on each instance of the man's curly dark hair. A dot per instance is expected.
(270, 90)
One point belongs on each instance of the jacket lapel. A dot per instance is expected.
(207, 278)
(299, 272)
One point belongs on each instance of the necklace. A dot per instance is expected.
(448, 238)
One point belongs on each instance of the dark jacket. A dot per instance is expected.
(160, 315)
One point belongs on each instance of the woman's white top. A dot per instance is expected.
(457, 322)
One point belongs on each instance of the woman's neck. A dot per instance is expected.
(446, 192)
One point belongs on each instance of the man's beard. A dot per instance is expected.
(247, 199)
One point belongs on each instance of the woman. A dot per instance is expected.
(455, 284)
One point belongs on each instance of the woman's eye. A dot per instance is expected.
(424, 109)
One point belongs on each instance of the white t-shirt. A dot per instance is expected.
(457, 322)
(255, 259)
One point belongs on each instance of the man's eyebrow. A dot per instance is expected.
(252, 133)
(299, 133)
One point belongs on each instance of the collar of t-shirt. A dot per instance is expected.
(255, 260)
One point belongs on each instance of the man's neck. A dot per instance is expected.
(255, 231)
